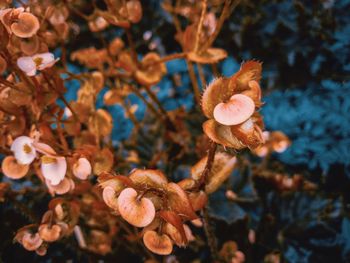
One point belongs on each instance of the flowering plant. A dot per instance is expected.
(123, 195)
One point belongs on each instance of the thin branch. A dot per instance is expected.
(161, 108)
(148, 104)
(210, 234)
(131, 45)
(227, 10)
(196, 90)
(205, 174)
(200, 24)
(201, 75)
(168, 58)
(60, 95)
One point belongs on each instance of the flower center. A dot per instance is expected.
(48, 160)
(38, 61)
(27, 149)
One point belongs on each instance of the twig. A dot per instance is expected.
(161, 108)
(6, 83)
(61, 137)
(201, 75)
(227, 10)
(196, 90)
(168, 58)
(177, 23)
(214, 68)
(200, 24)
(149, 105)
(210, 234)
(131, 45)
(205, 174)
(60, 95)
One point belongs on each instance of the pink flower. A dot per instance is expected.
(37, 62)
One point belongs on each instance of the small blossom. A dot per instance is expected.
(98, 24)
(53, 168)
(23, 149)
(231, 105)
(237, 110)
(37, 62)
(82, 169)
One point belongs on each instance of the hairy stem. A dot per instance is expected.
(205, 174)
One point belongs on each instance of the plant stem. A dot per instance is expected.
(132, 45)
(75, 115)
(214, 68)
(201, 75)
(168, 58)
(205, 174)
(160, 106)
(227, 10)
(200, 24)
(196, 90)
(149, 105)
(210, 234)
(11, 85)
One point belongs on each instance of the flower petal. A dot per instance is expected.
(54, 171)
(82, 168)
(47, 60)
(237, 110)
(27, 65)
(23, 149)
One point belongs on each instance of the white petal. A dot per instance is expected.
(48, 65)
(44, 148)
(82, 169)
(18, 149)
(48, 59)
(27, 65)
(55, 172)
(266, 135)
(67, 112)
(31, 73)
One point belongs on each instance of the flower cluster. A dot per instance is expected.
(59, 221)
(147, 200)
(59, 118)
(53, 167)
(231, 104)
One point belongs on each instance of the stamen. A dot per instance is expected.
(38, 61)
(47, 159)
(27, 149)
